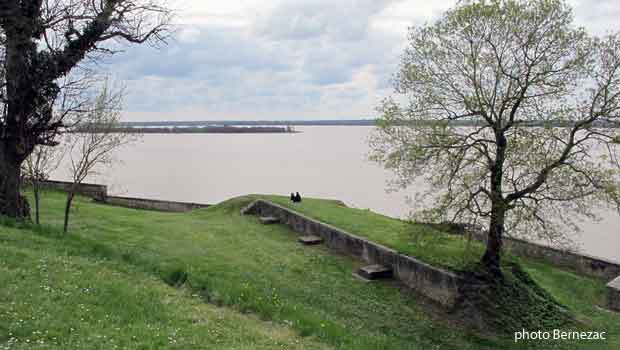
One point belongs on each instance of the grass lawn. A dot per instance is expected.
(116, 279)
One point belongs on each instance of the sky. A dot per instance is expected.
(283, 59)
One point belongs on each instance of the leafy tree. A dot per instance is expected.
(505, 108)
(41, 42)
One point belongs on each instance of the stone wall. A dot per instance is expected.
(582, 263)
(153, 204)
(435, 283)
(98, 192)
(613, 294)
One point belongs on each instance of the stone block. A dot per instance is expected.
(375, 272)
(310, 240)
(268, 220)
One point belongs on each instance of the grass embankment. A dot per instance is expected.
(417, 240)
(103, 284)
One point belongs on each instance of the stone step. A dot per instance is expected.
(268, 220)
(375, 272)
(310, 240)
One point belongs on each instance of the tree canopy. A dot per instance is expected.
(538, 95)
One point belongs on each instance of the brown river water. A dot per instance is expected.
(321, 161)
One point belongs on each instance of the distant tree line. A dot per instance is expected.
(187, 130)
(356, 122)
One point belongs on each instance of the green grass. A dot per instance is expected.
(244, 286)
(413, 239)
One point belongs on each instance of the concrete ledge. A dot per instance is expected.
(96, 191)
(582, 263)
(153, 204)
(613, 294)
(100, 194)
(437, 284)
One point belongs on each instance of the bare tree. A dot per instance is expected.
(504, 110)
(41, 42)
(37, 168)
(92, 140)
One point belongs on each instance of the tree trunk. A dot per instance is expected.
(70, 195)
(12, 204)
(492, 255)
(20, 94)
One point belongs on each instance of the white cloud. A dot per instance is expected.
(250, 59)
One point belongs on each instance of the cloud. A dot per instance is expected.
(309, 19)
(250, 59)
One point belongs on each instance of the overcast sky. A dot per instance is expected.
(284, 59)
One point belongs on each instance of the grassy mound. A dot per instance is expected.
(515, 301)
(207, 272)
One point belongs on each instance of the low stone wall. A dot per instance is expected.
(437, 284)
(153, 204)
(100, 194)
(582, 263)
(613, 294)
(96, 191)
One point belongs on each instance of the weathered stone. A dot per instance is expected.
(268, 220)
(375, 272)
(613, 294)
(310, 240)
(153, 204)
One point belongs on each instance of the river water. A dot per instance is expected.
(321, 161)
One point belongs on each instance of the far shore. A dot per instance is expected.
(197, 130)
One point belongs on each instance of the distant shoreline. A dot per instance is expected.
(247, 123)
(197, 130)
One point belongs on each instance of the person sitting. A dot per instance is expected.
(297, 198)
(292, 197)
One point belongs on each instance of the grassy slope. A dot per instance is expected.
(231, 261)
(52, 300)
(418, 240)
